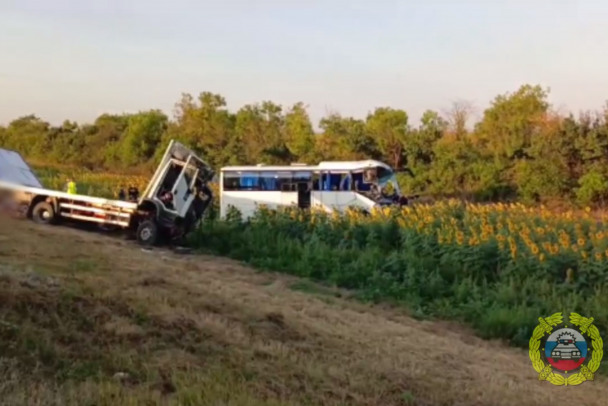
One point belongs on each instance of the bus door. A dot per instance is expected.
(289, 193)
(303, 181)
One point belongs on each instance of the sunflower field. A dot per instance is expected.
(496, 267)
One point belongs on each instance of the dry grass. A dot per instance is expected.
(87, 319)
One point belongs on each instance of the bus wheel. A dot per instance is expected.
(147, 233)
(43, 213)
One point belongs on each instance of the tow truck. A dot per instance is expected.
(172, 204)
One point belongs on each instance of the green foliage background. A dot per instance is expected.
(520, 148)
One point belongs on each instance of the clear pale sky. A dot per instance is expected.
(79, 58)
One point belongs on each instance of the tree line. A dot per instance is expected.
(521, 148)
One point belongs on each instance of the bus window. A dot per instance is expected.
(274, 181)
(302, 177)
(359, 184)
(345, 183)
(316, 181)
(232, 181)
(269, 181)
(383, 173)
(249, 181)
(335, 181)
(332, 182)
(285, 181)
(325, 181)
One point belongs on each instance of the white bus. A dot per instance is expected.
(329, 185)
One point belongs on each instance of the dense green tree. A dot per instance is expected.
(419, 151)
(593, 188)
(206, 125)
(142, 136)
(512, 120)
(519, 149)
(28, 134)
(299, 133)
(388, 128)
(345, 138)
(260, 131)
(103, 138)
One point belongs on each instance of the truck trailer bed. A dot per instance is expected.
(17, 178)
(100, 201)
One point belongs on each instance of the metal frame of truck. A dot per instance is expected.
(181, 172)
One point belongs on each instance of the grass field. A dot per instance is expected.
(104, 323)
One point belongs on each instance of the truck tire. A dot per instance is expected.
(147, 233)
(43, 213)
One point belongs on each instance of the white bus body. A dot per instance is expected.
(168, 206)
(328, 186)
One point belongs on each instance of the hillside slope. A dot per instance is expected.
(88, 319)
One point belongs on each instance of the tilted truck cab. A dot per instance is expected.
(173, 200)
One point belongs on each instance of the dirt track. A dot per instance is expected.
(300, 346)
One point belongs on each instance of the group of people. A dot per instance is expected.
(132, 194)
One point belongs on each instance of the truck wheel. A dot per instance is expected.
(147, 233)
(43, 213)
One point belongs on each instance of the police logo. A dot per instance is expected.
(564, 356)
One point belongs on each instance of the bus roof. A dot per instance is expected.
(323, 166)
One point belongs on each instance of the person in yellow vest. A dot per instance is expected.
(71, 187)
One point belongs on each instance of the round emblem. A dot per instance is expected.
(566, 349)
(572, 352)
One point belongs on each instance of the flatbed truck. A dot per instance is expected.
(172, 204)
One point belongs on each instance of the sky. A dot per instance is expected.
(77, 59)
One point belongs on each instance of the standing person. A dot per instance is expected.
(70, 187)
(133, 194)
